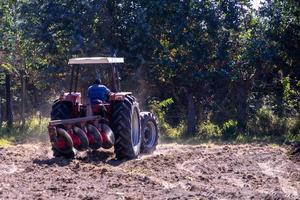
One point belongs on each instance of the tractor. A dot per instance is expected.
(117, 122)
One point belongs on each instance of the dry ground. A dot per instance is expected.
(174, 171)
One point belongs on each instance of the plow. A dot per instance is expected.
(107, 119)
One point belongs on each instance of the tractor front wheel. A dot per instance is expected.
(126, 126)
(149, 132)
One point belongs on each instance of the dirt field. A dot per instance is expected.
(172, 172)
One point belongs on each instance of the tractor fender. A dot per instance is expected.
(119, 96)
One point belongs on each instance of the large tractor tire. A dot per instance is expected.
(61, 110)
(149, 132)
(126, 126)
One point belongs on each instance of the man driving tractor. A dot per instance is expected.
(98, 92)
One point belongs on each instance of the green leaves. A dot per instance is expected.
(7, 68)
(224, 53)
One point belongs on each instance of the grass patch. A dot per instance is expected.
(5, 142)
(265, 127)
(240, 139)
(35, 128)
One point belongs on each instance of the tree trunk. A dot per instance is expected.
(191, 118)
(23, 99)
(9, 115)
(1, 119)
(242, 105)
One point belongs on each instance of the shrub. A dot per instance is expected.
(230, 129)
(266, 123)
(207, 130)
(160, 108)
(177, 132)
(295, 130)
(34, 127)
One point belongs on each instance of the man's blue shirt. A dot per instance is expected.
(98, 92)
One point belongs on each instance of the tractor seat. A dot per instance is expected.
(97, 101)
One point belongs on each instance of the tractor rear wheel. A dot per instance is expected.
(61, 110)
(149, 132)
(126, 126)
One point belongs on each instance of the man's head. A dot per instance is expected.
(97, 82)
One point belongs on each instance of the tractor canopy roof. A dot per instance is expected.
(95, 60)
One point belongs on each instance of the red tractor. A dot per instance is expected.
(117, 122)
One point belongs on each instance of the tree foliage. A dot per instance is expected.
(218, 60)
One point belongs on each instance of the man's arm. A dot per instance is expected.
(89, 92)
(107, 93)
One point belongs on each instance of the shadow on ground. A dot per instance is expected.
(91, 157)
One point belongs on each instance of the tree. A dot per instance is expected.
(191, 44)
(5, 35)
(271, 52)
(218, 60)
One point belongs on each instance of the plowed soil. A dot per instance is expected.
(173, 171)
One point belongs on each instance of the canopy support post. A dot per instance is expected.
(72, 77)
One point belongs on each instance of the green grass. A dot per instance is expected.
(35, 128)
(5, 142)
(264, 130)
(239, 139)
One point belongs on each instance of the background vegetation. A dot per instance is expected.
(209, 69)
